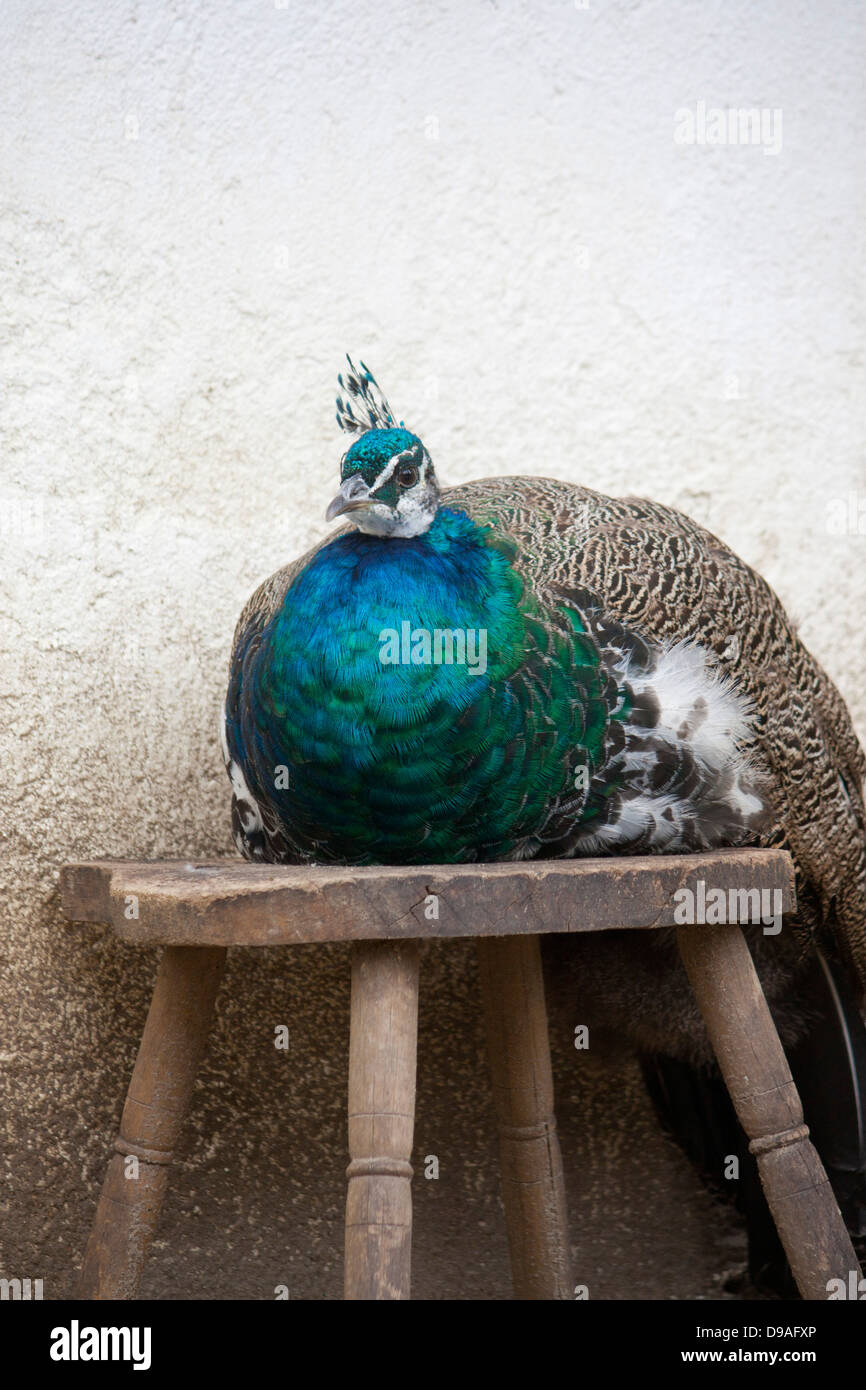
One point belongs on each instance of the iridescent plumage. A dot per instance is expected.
(643, 688)
(625, 684)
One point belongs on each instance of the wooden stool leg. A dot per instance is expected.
(156, 1106)
(532, 1181)
(744, 1038)
(382, 1072)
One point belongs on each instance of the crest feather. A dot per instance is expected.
(365, 407)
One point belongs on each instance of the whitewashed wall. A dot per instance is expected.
(205, 205)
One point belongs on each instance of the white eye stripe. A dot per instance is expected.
(388, 471)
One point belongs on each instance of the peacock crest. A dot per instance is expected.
(365, 407)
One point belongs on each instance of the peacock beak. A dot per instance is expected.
(353, 495)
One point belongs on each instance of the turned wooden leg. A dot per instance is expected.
(756, 1072)
(532, 1181)
(156, 1106)
(382, 1061)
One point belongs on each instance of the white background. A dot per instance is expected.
(203, 206)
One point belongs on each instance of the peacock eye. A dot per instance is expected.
(407, 476)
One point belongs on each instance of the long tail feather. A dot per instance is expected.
(829, 1068)
(828, 1065)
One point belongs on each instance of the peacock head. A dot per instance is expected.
(388, 481)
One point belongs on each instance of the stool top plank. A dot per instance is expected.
(229, 902)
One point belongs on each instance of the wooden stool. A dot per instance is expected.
(197, 910)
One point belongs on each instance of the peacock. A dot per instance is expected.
(522, 668)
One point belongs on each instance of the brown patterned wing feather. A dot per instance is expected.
(666, 578)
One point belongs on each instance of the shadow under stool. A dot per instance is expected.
(196, 910)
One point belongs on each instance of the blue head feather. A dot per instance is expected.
(369, 454)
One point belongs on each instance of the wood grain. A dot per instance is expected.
(382, 1061)
(753, 1064)
(229, 902)
(156, 1106)
(533, 1187)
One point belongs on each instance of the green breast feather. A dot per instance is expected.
(410, 701)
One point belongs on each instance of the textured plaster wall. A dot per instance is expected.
(202, 207)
